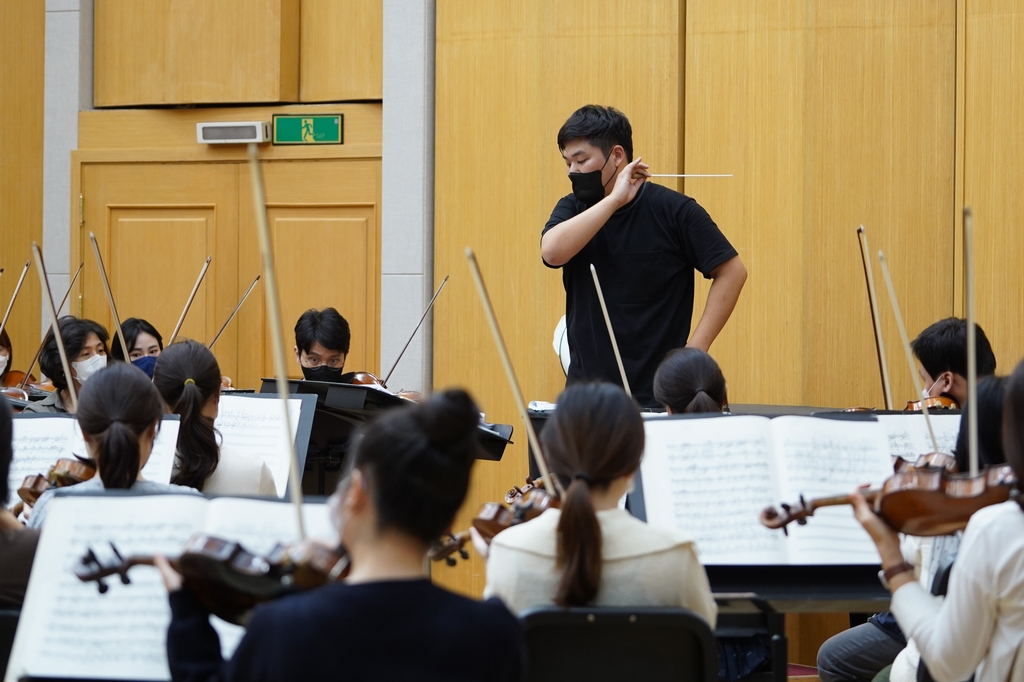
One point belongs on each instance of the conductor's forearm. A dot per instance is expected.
(727, 282)
(566, 239)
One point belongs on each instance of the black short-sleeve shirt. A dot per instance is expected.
(645, 256)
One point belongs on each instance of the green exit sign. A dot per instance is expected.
(296, 129)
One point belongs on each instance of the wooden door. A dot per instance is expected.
(325, 227)
(155, 225)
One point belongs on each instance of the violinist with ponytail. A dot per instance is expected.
(119, 413)
(590, 552)
(689, 381)
(979, 627)
(188, 378)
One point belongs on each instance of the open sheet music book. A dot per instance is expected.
(711, 477)
(68, 629)
(40, 440)
(908, 433)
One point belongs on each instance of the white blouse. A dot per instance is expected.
(979, 627)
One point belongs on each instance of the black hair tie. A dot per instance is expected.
(581, 477)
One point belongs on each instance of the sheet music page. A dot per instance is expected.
(72, 630)
(160, 464)
(37, 444)
(908, 433)
(824, 457)
(711, 478)
(255, 426)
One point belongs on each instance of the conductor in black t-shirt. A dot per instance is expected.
(645, 241)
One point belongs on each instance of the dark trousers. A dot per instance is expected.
(857, 654)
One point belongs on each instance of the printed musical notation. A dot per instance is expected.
(255, 426)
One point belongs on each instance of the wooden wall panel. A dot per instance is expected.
(830, 115)
(22, 39)
(993, 176)
(507, 77)
(341, 50)
(195, 51)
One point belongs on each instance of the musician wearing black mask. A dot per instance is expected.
(322, 339)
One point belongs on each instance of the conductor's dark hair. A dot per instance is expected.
(187, 376)
(6, 453)
(942, 347)
(1013, 426)
(326, 327)
(689, 380)
(115, 408)
(595, 436)
(991, 394)
(602, 127)
(5, 343)
(417, 461)
(132, 327)
(74, 332)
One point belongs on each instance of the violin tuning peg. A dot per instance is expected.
(464, 554)
(125, 580)
(450, 560)
(802, 521)
(785, 531)
(102, 586)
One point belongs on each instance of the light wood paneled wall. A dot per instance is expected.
(22, 39)
(341, 54)
(993, 175)
(508, 75)
(195, 51)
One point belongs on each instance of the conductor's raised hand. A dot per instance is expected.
(626, 186)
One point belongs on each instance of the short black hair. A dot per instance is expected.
(6, 453)
(942, 347)
(991, 395)
(326, 327)
(74, 332)
(5, 342)
(132, 327)
(417, 462)
(602, 127)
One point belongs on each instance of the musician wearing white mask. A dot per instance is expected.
(85, 342)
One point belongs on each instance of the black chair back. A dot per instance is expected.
(619, 643)
(8, 625)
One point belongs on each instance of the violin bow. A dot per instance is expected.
(430, 305)
(54, 325)
(506, 361)
(234, 312)
(274, 315)
(14, 297)
(191, 297)
(972, 344)
(110, 295)
(906, 348)
(611, 332)
(24, 381)
(862, 239)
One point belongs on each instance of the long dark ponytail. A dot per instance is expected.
(689, 380)
(1013, 426)
(595, 436)
(115, 408)
(188, 376)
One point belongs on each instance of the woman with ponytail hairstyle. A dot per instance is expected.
(408, 476)
(119, 413)
(188, 379)
(978, 629)
(591, 552)
(689, 381)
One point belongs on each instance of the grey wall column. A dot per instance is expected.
(407, 239)
(67, 90)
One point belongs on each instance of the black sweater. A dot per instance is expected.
(395, 630)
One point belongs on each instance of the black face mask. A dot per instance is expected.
(322, 373)
(587, 187)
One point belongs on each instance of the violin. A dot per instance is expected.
(523, 504)
(226, 578)
(925, 500)
(932, 403)
(65, 472)
(368, 379)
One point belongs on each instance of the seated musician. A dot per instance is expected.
(979, 627)
(591, 551)
(387, 621)
(322, 339)
(17, 543)
(942, 351)
(689, 380)
(6, 356)
(188, 379)
(143, 341)
(85, 342)
(858, 654)
(119, 412)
